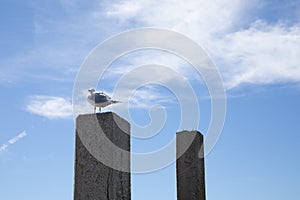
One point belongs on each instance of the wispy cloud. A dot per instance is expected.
(13, 141)
(3, 147)
(246, 50)
(50, 107)
(149, 96)
(262, 54)
(246, 47)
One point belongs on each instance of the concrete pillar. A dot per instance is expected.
(93, 179)
(190, 166)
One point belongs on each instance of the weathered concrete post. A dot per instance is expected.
(93, 179)
(190, 166)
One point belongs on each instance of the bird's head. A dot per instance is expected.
(91, 90)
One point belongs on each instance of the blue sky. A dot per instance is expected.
(255, 46)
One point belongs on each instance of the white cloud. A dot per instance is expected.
(50, 107)
(245, 49)
(263, 53)
(196, 18)
(3, 147)
(13, 141)
(149, 96)
(125, 9)
(142, 58)
(18, 137)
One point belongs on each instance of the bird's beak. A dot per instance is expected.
(113, 101)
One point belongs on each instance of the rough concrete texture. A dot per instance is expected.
(93, 179)
(190, 166)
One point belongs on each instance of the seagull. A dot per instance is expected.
(99, 99)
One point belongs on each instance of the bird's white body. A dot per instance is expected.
(99, 99)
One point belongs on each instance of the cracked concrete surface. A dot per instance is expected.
(189, 167)
(93, 179)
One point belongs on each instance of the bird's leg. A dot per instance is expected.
(100, 109)
(94, 109)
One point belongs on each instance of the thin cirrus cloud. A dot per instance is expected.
(50, 107)
(13, 141)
